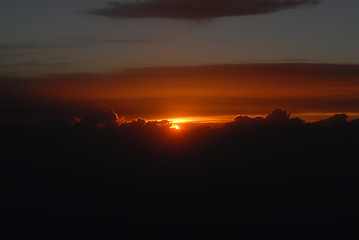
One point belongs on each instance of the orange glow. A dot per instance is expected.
(248, 81)
(202, 94)
(176, 127)
(178, 120)
(202, 119)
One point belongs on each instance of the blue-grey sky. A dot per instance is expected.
(40, 37)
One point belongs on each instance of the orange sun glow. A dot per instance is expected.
(176, 127)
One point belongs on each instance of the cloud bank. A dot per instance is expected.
(196, 9)
(212, 90)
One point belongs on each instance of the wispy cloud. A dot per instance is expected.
(97, 41)
(196, 9)
(17, 69)
(28, 64)
(68, 43)
(27, 46)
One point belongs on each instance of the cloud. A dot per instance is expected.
(32, 64)
(74, 43)
(26, 68)
(79, 42)
(118, 40)
(100, 119)
(278, 116)
(275, 117)
(210, 90)
(337, 119)
(28, 46)
(196, 9)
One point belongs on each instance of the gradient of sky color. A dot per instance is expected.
(49, 36)
(162, 61)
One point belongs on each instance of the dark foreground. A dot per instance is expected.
(250, 179)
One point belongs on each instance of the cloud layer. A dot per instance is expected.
(210, 90)
(196, 9)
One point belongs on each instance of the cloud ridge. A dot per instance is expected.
(196, 9)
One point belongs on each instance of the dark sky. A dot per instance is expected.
(47, 36)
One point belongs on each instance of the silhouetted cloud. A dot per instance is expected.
(105, 118)
(196, 9)
(262, 180)
(337, 119)
(159, 124)
(282, 117)
(278, 116)
(245, 120)
(60, 121)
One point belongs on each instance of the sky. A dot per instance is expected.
(142, 52)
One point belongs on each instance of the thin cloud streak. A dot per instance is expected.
(71, 43)
(196, 9)
(28, 46)
(26, 64)
(97, 41)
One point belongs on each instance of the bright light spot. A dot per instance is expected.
(178, 120)
(176, 127)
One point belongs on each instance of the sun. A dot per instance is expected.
(176, 127)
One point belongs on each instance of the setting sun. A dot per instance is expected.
(235, 117)
(176, 127)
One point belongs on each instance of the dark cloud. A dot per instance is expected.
(278, 116)
(141, 123)
(100, 119)
(196, 9)
(67, 180)
(337, 119)
(109, 119)
(282, 117)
